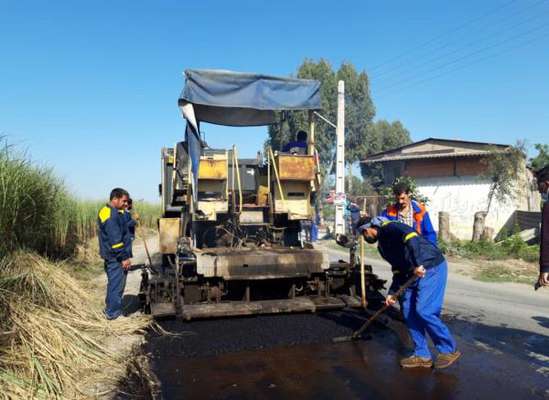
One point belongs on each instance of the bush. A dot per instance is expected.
(511, 247)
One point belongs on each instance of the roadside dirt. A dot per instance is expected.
(126, 346)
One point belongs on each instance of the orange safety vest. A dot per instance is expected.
(392, 211)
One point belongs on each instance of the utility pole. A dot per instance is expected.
(340, 198)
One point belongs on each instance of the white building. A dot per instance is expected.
(450, 174)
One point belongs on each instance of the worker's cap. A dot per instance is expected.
(367, 222)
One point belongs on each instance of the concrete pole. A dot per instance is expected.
(340, 161)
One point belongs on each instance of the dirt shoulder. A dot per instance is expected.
(124, 346)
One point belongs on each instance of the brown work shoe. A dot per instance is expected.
(415, 362)
(444, 360)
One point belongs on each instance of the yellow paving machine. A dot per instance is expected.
(230, 228)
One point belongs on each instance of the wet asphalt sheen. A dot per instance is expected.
(292, 357)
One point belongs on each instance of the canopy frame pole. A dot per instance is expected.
(271, 154)
(235, 161)
(323, 118)
(311, 141)
(233, 198)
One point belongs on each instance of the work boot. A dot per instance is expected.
(444, 360)
(415, 362)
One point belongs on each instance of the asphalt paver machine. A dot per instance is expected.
(230, 228)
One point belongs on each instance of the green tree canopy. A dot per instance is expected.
(382, 135)
(359, 112)
(362, 136)
(542, 158)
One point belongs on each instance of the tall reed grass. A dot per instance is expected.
(38, 213)
(52, 331)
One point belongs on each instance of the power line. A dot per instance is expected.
(474, 53)
(459, 67)
(504, 28)
(453, 30)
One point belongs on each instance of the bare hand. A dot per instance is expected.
(126, 264)
(543, 279)
(420, 271)
(390, 300)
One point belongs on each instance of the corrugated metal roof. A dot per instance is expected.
(398, 154)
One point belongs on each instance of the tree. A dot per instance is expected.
(504, 169)
(359, 112)
(355, 187)
(382, 135)
(542, 159)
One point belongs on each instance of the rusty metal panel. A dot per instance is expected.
(295, 167)
(251, 217)
(160, 310)
(257, 264)
(213, 169)
(169, 234)
(198, 311)
(296, 202)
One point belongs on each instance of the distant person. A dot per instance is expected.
(298, 146)
(411, 254)
(542, 177)
(353, 214)
(114, 242)
(410, 212)
(131, 222)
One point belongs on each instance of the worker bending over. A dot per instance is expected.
(410, 212)
(114, 248)
(421, 304)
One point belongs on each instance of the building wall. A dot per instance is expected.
(430, 167)
(463, 196)
(455, 185)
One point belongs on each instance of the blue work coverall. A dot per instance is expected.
(131, 224)
(421, 303)
(114, 247)
(295, 146)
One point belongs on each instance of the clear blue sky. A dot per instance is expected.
(91, 88)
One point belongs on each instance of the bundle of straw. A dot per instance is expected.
(52, 333)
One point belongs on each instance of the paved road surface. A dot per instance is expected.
(502, 329)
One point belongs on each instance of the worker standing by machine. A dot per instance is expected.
(421, 304)
(410, 212)
(298, 146)
(542, 177)
(114, 242)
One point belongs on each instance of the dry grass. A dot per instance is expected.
(52, 333)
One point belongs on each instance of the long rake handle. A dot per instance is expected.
(145, 244)
(398, 293)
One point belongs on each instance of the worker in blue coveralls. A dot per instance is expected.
(410, 212)
(131, 222)
(298, 146)
(352, 215)
(114, 248)
(411, 254)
